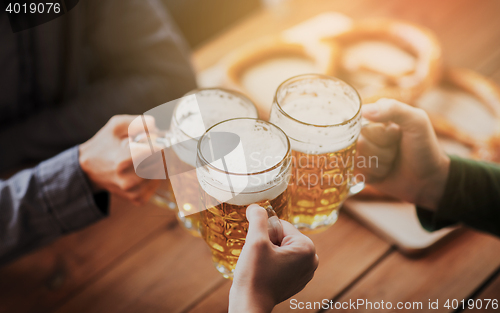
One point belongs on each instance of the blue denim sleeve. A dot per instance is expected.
(40, 204)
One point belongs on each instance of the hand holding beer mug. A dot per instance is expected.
(412, 165)
(321, 116)
(193, 114)
(267, 274)
(251, 166)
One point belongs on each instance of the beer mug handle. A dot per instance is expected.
(274, 226)
(357, 187)
(164, 139)
(365, 122)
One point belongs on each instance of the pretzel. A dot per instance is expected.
(488, 93)
(269, 48)
(405, 85)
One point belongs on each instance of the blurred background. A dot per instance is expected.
(214, 15)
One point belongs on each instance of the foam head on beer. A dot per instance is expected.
(324, 103)
(197, 112)
(249, 173)
(200, 111)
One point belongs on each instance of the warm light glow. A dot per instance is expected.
(187, 207)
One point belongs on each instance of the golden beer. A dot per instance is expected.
(255, 170)
(321, 116)
(319, 185)
(224, 227)
(187, 197)
(196, 111)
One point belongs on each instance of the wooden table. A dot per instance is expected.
(140, 260)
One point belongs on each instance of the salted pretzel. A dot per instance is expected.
(271, 48)
(488, 94)
(414, 67)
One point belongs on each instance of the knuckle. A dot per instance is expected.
(259, 245)
(397, 106)
(138, 198)
(136, 203)
(423, 115)
(114, 119)
(392, 105)
(308, 250)
(127, 185)
(124, 165)
(420, 115)
(150, 120)
(118, 120)
(390, 101)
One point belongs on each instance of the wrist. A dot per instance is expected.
(85, 166)
(433, 189)
(249, 302)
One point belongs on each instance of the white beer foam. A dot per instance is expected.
(196, 114)
(327, 104)
(200, 111)
(318, 111)
(259, 150)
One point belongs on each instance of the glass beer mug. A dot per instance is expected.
(193, 114)
(255, 169)
(321, 116)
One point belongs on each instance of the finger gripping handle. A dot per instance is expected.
(273, 225)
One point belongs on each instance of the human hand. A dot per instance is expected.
(411, 165)
(107, 162)
(267, 274)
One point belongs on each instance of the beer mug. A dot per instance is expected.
(321, 116)
(193, 114)
(257, 170)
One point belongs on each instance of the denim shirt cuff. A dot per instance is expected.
(67, 192)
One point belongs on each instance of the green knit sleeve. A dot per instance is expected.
(471, 197)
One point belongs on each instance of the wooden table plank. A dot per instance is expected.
(345, 251)
(165, 275)
(492, 291)
(41, 280)
(453, 271)
(216, 302)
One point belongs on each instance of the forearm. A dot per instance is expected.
(471, 197)
(244, 302)
(40, 204)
